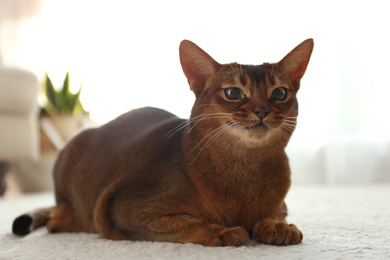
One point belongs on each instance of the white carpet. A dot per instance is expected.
(343, 222)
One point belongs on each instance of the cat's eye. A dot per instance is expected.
(234, 93)
(279, 94)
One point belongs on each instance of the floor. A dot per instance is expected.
(338, 222)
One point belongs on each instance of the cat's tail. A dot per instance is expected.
(28, 222)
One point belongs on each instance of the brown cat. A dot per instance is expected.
(217, 179)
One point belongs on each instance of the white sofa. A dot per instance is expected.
(18, 117)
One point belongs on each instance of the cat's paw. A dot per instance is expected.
(274, 233)
(236, 236)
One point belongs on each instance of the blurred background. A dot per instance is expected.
(125, 53)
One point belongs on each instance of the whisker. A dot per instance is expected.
(206, 135)
(290, 121)
(288, 127)
(280, 75)
(291, 125)
(216, 133)
(234, 68)
(237, 69)
(178, 128)
(195, 120)
(284, 134)
(295, 118)
(207, 116)
(290, 130)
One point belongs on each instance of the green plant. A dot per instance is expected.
(61, 101)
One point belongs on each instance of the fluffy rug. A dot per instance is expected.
(343, 222)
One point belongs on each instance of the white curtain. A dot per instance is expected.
(12, 15)
(349, 108)
(125, 52)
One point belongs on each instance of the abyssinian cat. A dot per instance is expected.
(217, 179)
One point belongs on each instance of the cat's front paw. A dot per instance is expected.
(236, 236)
(274, 233)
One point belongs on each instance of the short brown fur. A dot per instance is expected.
(217, 179)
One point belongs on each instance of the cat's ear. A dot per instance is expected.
(197, 65)
(295, 63)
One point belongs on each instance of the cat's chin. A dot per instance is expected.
(253, 133)
(259, 127)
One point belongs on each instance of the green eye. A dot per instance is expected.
(279, 94)
(234, 93)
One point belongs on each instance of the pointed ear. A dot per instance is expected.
(197, 65)
(295, 63)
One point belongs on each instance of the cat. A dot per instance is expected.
(217, 179)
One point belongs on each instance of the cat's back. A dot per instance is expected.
(136, 134)
(127, 129)
(136, 121)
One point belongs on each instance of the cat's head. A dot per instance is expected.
(250, 102)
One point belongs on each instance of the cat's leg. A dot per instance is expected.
(119, 215)
(181, 228)
(275, 232)
(63, 219)
(189, 229)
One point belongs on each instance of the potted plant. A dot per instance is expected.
(60, 118)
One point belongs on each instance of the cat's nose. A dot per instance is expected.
(261, 111)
